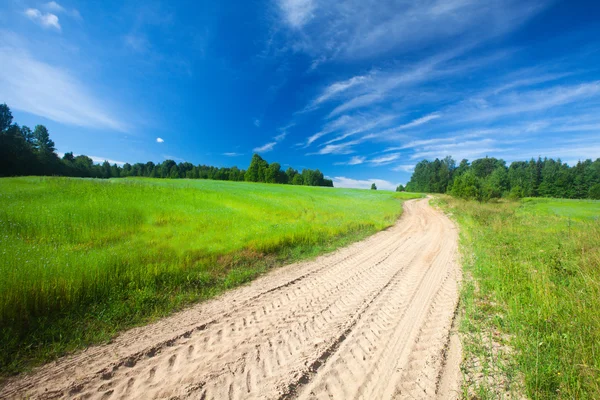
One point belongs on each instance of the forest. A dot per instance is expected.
(24, 151)
(490, 178)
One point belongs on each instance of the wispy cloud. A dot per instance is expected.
(458, 149)
(46, 20)
(256, 122)
(297, 12)
(344, 182)
(160, 140)
(397, 83)
(48, 91)
(525, 101)
(348, 126)
(265, 148)
(404, 168)
(280, 137)
(233, 154)
(356, 160)
(383, 160)
(336, 88)
(54, 6)
(357, 29)
(59, 9)
(342, 148)
(277, 139)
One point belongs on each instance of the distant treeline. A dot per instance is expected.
(31, 152)
(489, 178)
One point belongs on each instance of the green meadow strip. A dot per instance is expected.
(531, 298)
(83, 259)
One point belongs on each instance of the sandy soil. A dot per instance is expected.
(370, 321)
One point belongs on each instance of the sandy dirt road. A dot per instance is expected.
(369, 321)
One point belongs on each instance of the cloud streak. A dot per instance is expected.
(358, 29)
(51, 92)
(45, 20)
(344, 182)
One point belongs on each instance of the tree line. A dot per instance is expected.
(489, 178)
(24, 151)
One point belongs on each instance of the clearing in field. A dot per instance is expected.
(83, 259)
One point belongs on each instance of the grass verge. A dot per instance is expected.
(530, 323)
(84, 259)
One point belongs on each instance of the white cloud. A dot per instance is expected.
(271, 145)
(51, 92)
(356, 160)
(358, 29)
(357, 102)
(343, 182)
(233, 154)
(349, 126)
(57, 8)
(46, 20)
(297, 12)
(160, 140)
(525, 102)
(339, 87)
(397, 83)
(257, 123)
(264, 148)
(404, 168)
(280, 137)
(420, 121)
(458, 149)
(342, 148)
(383, 160)
(54, 6)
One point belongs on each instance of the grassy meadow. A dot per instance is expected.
(531, 297)
(82, 259)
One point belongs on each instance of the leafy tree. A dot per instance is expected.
(400, 188)
(256, 170)
(594, 192)
(42, 142)
(6, 118)
(27, 135)
(373, 186)
(174, 172)
(467, 186)
(69, 157)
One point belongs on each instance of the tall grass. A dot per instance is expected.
(536, 277)
(81, 259)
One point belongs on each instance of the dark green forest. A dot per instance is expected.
(490, 178)
(31, 152)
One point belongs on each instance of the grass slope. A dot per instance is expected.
(82, 259)
(531, 306)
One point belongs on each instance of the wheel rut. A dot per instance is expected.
(368, 321)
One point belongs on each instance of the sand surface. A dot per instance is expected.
(369, 321)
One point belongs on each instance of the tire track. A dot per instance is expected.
(368, 321)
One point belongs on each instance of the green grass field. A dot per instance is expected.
(531, 296)
(83, 259)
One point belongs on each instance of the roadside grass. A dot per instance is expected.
(82, 259)
(531, 298)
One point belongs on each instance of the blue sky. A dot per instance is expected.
(360, 89)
